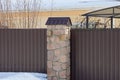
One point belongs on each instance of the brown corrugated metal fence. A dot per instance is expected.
(95, 54)
(23, 50)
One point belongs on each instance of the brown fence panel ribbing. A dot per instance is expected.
(95, 54)
(23, 50)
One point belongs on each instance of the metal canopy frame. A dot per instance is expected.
(111, 12)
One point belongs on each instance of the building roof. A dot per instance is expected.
(59, 21)
(106, 12)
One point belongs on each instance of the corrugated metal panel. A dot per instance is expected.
(95, 54)
(23, 50)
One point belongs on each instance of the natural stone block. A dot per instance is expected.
(51, 27)
(50, 55)
(68, 49)
(59, 44)
(62, 51)
(61, 27)
(63, 37)
(62, 79)
(49, 64)
(67, 43)
(54, 45)
(58, 52)
(57, 27)
(68, 37)
(50, 72)
(48, 39)
(57, 66)
(68, 72)
(57, 74)
(49, 33)
(55, 78)
(56, 58)
(50, 46)
(64, 59)
(63, 74)
(58, 32)
(64, 43)
(54, 39)
(64, 66)
(68, 78)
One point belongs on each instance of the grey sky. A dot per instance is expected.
(78, 4)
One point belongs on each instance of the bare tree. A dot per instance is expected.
(28, 13)
(20, 13)
(5, 14)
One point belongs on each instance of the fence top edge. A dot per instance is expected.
(95, 29)
(24, 29)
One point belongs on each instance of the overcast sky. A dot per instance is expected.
(78, 4)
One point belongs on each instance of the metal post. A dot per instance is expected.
(111, 22)
(87, 22)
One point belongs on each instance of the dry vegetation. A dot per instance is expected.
(19, 14)
(28, 14)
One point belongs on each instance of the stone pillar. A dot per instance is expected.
(58, 46)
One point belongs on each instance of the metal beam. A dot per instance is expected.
(111, 22)
(87, 22)
(105, 15)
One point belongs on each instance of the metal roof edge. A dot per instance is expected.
(87, 14)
